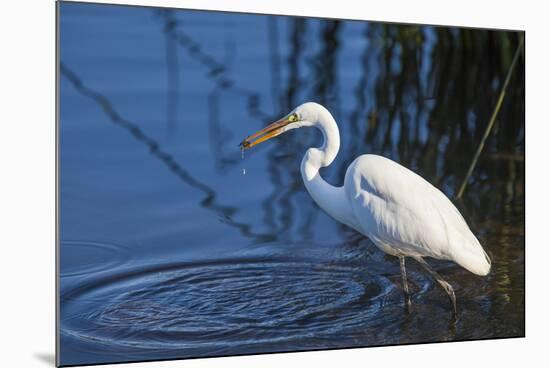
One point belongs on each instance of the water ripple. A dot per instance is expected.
(86, 257)
(223, 303)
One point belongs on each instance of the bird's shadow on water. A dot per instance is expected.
(47, 358)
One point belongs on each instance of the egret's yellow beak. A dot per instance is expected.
(270, 131)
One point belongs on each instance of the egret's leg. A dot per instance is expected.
(404, 279)
(444, 284)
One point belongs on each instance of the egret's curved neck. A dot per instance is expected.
(330, 198)
(315, 158)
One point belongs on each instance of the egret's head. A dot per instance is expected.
(304, 115)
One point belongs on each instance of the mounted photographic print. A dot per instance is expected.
(234, 183)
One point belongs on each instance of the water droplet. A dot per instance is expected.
(242, 158)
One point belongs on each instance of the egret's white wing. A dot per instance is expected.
(399, 210)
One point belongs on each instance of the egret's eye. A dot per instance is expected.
(292, 118)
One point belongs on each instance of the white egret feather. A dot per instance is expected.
(403, 214)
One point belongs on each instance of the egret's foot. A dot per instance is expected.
(444, 284)
(452, 298)
(408, 303)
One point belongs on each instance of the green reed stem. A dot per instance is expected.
(492, 120)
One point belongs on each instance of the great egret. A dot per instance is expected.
(401, 213)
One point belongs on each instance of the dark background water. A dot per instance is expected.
(169, 251)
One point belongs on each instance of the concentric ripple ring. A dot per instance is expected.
(222, 303)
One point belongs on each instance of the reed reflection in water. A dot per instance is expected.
(168, 251)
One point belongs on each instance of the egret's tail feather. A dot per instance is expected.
(475, 260)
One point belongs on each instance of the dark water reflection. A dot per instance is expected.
(168, 251)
